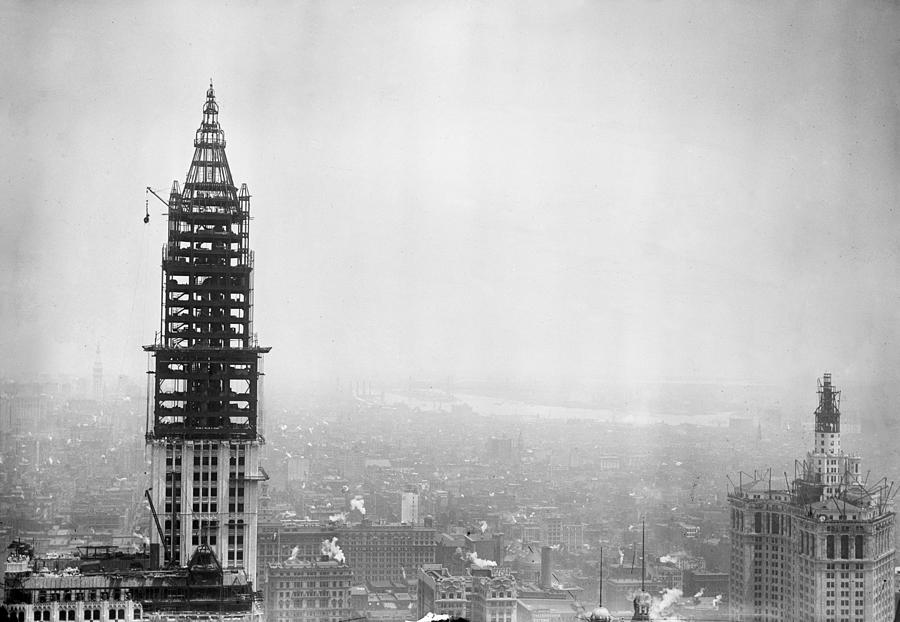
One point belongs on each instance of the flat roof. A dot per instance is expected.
(554, 604)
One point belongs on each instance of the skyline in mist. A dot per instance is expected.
(509, 190)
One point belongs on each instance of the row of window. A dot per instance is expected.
(309, 584)
(50, 596)
(89, 614)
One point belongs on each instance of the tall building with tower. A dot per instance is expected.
(203, 429)
(820, 548)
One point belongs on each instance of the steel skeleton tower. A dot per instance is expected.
(204, 434)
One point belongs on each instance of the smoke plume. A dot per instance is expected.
(481, 563)
(332, 550)
(294, 552)
(670, 597)
(358, 503)
(484, 526)
(338, 518)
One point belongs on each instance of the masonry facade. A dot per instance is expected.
(820, 549)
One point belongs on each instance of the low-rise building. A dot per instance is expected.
(439, 592)
(199, 591)
(482, 595)
(545, 610)
(493, 595)
(373, 552)
(308, 591)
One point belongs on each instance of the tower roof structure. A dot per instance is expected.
(206, 351)
(829, 517)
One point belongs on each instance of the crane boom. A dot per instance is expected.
(162, 538)
(153, 192)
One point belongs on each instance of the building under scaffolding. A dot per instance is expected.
(818, 546)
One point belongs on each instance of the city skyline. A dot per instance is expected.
(523, 191)
(544, 283)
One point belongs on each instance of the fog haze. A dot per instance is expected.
(529, 190)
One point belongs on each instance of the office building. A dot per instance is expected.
(441, 593)
(308, 591)
(204, 434)
(480, 595)
(373, 552)
(409, 506)
(493, 595)
(821, 547)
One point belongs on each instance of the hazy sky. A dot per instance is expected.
(544, 189)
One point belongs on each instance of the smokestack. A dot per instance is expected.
(546, 568)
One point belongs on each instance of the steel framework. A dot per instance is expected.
(205, 430)
(206, 354)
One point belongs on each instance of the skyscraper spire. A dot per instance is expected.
(204, 431)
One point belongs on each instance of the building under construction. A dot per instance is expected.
(820, 546)
(203, 429)
(203, 432)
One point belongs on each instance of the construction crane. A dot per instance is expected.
(162, 538)
(147, 202)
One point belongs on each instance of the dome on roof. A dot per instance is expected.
(600, 614)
